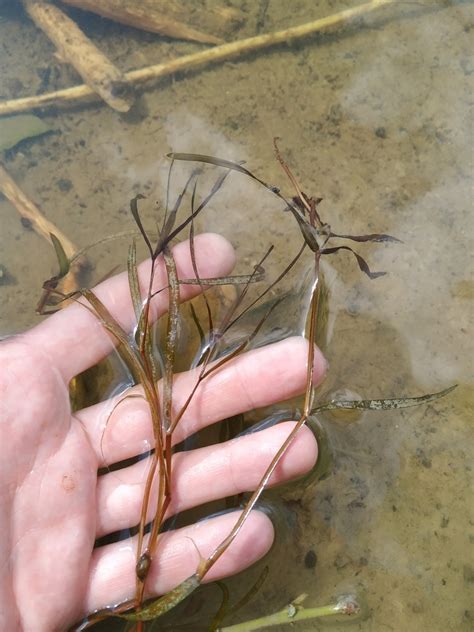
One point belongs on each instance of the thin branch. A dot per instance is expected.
(146, 16)
(71, 96)
(95, 68)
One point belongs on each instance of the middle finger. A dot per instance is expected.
(204, 475)
(260, 377)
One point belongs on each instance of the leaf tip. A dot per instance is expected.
(61, 256)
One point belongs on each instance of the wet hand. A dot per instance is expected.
(53, 504)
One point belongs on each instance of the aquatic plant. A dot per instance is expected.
(151, 363)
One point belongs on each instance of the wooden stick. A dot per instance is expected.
(97, 71)
(83, 93)
(167, 17)
(27, 209)
(42, 226)
(144, 16)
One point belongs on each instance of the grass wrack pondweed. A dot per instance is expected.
(149, 364)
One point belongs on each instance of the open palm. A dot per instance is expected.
(53, 505)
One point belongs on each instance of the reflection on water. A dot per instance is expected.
(375, 120)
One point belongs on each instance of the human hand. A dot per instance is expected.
(53, 504)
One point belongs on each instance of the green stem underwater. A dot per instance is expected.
(346, 605)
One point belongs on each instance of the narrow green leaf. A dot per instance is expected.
(61, 256)
(133, 283)
(374, 237)
(232, 166)
(105, 317)
(238, 279)
(170, 217)
(245, 342)
(250, 594)
(165, 603)
(141, 330)
(309, 233)
(223, 608)
(383, 404)
(171, 335)
(212, 160)
(195, 318)
(210, 323)
(104, 240)
(217, 185)
(138, 221)
(269, 288)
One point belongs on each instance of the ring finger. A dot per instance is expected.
(204, 475)
(258, 378)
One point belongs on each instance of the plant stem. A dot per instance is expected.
(345, 605)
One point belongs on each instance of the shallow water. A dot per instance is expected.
(376, 120)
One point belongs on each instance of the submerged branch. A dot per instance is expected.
(146, 16)
(94, 67)
(31, 213)
(82, 93)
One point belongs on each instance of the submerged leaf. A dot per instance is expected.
(196, 321)
(223, 609)
(171, 335)
(363, 265)
(250, 594)
(210, 322)
(245, 343)
(217, 185)
(163, 604)
(170, 218)
(270, 287)
(14, 129)
(138, 221)
(212, 160)
(237, 279)
(382, 404)
(310, 235)
(232, 166)
(133, 282)
(374, 237)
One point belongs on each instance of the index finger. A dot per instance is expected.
(75, 340)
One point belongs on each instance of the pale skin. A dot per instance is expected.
(53, 505)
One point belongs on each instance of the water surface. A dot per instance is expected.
(375, 119)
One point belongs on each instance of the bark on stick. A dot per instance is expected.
(97, 71)
(145, 16)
